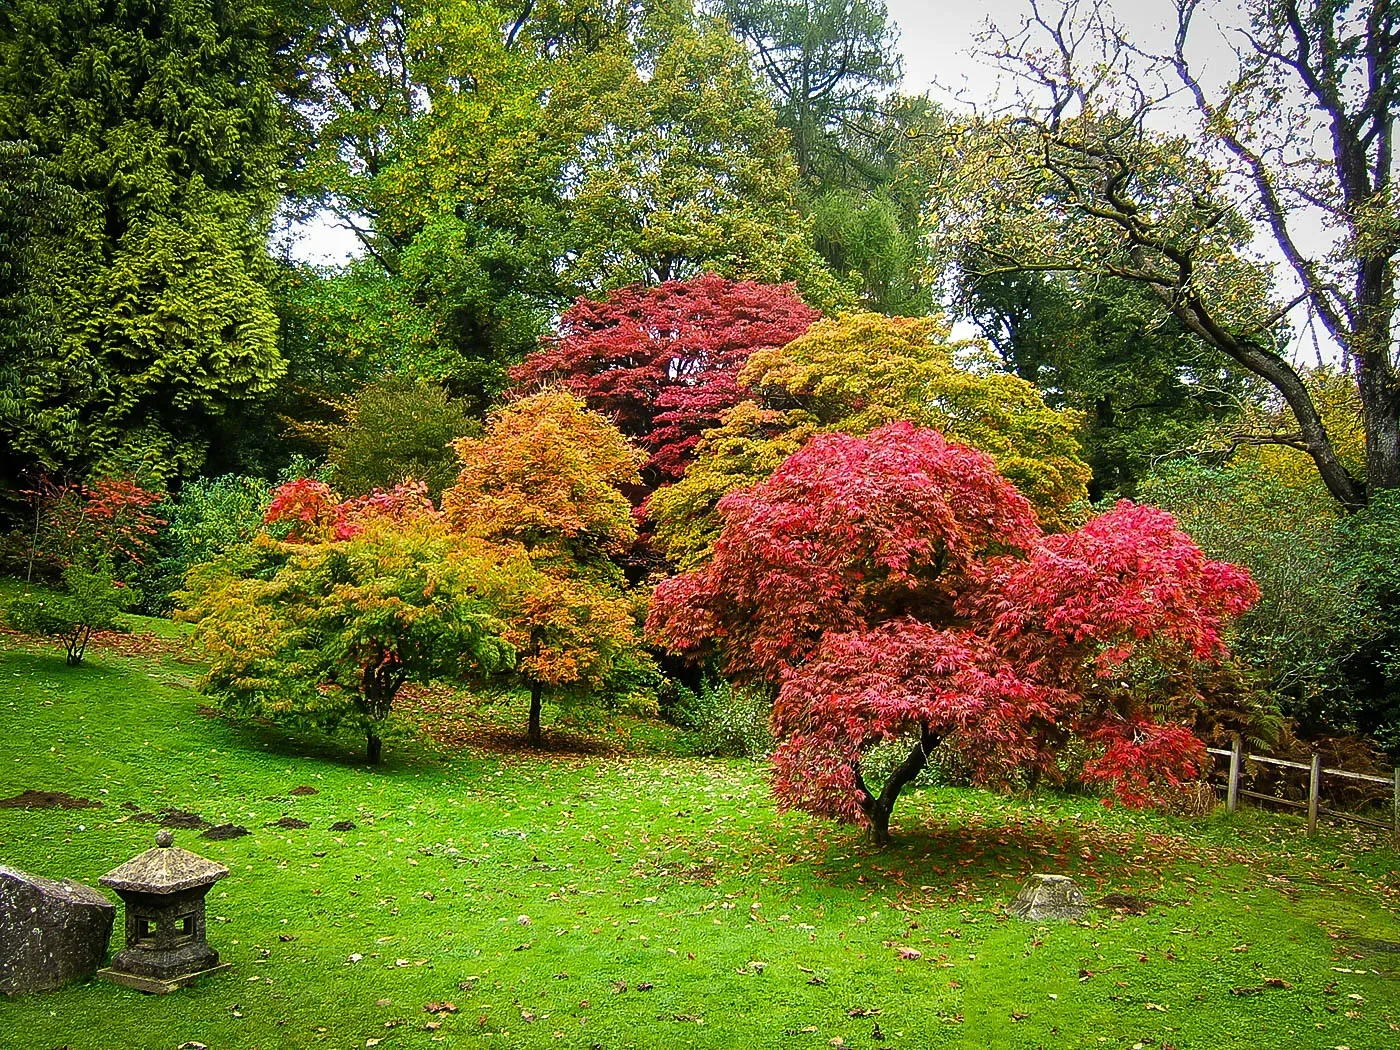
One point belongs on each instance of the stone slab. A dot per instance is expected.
(1049, 897)
(158, 986)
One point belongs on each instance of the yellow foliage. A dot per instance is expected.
(546, 467)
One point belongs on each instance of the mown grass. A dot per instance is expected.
(647, 900)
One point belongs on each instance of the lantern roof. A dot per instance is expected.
(164, 869)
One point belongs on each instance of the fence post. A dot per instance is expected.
(1232, 793)
(1314, 785)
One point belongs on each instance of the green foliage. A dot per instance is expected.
(91, 600)
(1371, 555)
(864, 238)
(324, 634)
(211, 518)
(1145, 386)
(684, 170)
(828, 64)
(493, 177)
(398, 430)
(728, 721)
(35, 206)
(1316, 615)
(161, 120)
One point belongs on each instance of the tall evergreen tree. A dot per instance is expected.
(159, 115)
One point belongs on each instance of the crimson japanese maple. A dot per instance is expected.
(663, 361)
(896, 587)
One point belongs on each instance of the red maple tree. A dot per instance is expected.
(896, 587)
(663, 362)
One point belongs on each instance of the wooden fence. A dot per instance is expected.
(1316, 771)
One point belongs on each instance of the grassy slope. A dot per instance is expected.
(753, 928)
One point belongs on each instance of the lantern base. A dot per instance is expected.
(158, 985)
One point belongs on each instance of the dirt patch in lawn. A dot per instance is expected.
(170, 817)
(31, 799)
(223, 832)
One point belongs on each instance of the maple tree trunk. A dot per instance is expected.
(533, 736)
(374, 747)
(879, 807)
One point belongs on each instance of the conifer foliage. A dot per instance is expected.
(896, 587)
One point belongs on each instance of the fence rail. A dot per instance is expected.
(1316, 771)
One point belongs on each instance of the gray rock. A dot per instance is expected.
(1048, 897)
(50, 932)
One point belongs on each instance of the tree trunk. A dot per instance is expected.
(533, 736)
(878, 808)
(374, 747)
(1380, 407)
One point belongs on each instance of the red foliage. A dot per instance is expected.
(897, 586)
(111, 518)
(845, 534)
(663, 362)
(316, 513)
(307, 505)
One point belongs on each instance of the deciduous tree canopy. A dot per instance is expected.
(664, 362)
(897, 586)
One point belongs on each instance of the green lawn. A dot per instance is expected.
(642, 900)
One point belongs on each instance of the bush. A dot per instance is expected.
(1325, 635)
(727, 721)
(398, 430)
(90, 601)
(212, 517)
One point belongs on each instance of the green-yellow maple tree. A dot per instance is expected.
(853, 374)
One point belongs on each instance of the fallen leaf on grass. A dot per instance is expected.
(809, 1030)
(817, 980)
(1154, 1006)
(440, 1008)
(1277, 982)
(862, 1011)
(689, 1018)
(1016, 1016)
(910, 953)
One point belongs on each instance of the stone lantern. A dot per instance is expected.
(163, 890)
